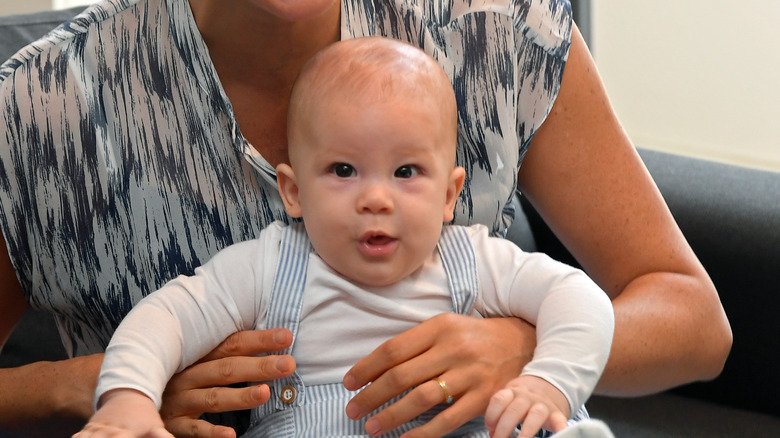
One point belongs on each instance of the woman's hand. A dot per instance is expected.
(474, 357)
(202, 387)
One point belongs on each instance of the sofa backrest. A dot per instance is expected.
(16, 31)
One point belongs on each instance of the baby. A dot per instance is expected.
(372, 132)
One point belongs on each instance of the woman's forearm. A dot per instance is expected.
(48, 398)
(670, 329)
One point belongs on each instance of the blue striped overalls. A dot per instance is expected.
(295, 410)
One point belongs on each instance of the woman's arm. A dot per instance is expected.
(585, 178)
(43, 398)
(48, 398)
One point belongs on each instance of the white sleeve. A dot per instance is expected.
(573, 316)
(178, 324)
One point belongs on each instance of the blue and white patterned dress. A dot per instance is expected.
(122, 164)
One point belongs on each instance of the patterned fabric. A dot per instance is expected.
(318, 410)
(122, 165)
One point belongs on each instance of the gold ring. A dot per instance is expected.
(447, 397)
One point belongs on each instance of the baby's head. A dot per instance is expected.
(368, 71)
(372, 133)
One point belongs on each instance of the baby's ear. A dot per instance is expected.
(455, 185)
(288, 189)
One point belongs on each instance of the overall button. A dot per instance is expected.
(288, 394)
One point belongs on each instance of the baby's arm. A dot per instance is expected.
(181, 322)
(529, 400)
(125, 413)
(174, 327)
(574, 326)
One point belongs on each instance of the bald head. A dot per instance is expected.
(364, 71)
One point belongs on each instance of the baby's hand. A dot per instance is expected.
(125, 413)
(530, 401)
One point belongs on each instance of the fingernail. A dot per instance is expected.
(353, 411)
(280, 337)
(349, 382)
(284, 365)
(260, 393)
(373, 427)
(255, 393)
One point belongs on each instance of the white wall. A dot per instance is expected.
(699, 77)
(62, 4)
(8, 7)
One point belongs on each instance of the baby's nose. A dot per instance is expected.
(375, 199)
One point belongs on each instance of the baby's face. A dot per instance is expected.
(375, 183)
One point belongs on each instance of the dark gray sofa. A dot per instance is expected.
(731, 217)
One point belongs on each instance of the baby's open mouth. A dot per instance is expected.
(379, 240)
(377, 244)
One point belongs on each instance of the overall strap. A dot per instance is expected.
(284, 310)
(460, 264)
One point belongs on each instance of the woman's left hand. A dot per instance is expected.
(473, 357)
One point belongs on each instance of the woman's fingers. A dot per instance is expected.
(394, 381)
(205, 386)
(251, 342)
(189, 428)
(416, 356)
(465, 407)
(392, 353)
(231, 370)
(194, 402)
(471, 355)
(421, 399)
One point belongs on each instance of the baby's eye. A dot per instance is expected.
(407, 171)
(343, 170)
